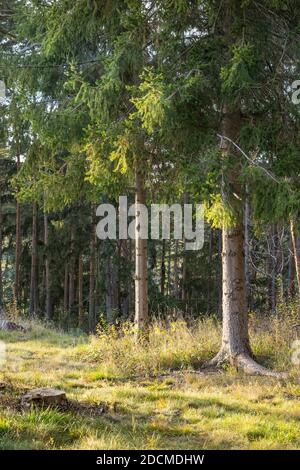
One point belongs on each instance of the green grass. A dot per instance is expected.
(147, 406)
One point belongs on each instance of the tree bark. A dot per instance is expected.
(235, 348)
(1, 247)
(92, 271)
(296, 252)
(47, 270)
(80, 291)
(163, 268)
(72, 273)
(66, 288)
(33, 306)
(18, 246)
(141, 272)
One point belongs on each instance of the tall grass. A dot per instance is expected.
(176, 344)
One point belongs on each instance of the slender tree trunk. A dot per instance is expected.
(184, 291)
(209, 284)
(66, 288)
(18, 246)
(1, 247)
(141, 272)
(124, 250)
(176, 273)
(296, 252)
(291, 271)
(163, 268)
(92, 270)
(47, 270)
(80, 291)
(33, 306)
(169, 268)
(72, 273)
(108, 294)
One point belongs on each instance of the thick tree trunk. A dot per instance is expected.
(33, 306)
(235, 348)
(47, 270)
(247, 247)
(141, 271)
(296, 252)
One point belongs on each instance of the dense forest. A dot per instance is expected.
(165, 102)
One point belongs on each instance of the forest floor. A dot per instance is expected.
(125, 398)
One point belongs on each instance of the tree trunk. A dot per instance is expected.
(92, 270)
(1, 246)
(163, 268)
(235, 348)
(184, 292)
(47, 270)
(176, 273)
(66, 288)
(296, 252)
(247, 248)
(33, 306)
(291, 271)
(72, 273)
(141, 274)
(80, 291)
(18, 246)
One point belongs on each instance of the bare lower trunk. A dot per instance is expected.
(247, 248)
(296, 252)
(80, 291)
(47, 270)
(235, 348)
(184, 263)
(33, 306)
(17, 254)
(235, 339)
(92, 269)
(141, 274)
(72, 273)
(18, 246)
(176, 273)
(66, 288)
(1, 245)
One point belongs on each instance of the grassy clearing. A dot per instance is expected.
(145, 407)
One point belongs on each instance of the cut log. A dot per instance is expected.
(10, 326)
(44, 397)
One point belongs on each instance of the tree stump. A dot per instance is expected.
(44, 397)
